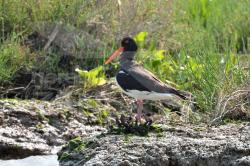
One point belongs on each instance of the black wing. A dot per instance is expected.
(127, 82)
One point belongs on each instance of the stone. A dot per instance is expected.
(32, 127)
(214, 146)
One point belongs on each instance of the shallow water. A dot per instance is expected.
(47, 160)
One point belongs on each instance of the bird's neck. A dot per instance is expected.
(127, 60)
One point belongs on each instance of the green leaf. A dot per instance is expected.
(140, 37)
(92, 78)
(160, 54)
(82, 73)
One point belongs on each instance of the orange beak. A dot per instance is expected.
(114, 55)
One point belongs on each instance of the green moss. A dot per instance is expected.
(64, 156)
(87, 113)
(39, 126)
(92, 103)
(102, 115)
(228, 120)
(41, 115)
(76, 144)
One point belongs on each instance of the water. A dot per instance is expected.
(48, 160)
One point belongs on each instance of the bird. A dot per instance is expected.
(139, 83)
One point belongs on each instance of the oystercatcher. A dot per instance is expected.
(139, 83)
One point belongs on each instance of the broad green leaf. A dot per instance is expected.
(92, 78)
(94, 72)
(160, 54)
(140, 37)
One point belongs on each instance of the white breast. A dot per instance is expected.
(145, 95)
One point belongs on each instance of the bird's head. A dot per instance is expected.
(128, 44)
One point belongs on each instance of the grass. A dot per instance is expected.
(13, 56)
(201, 46)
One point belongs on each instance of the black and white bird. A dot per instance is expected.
(139, 83)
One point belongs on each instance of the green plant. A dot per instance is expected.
(64, 156)
(41, 115)
(92, 78)
(76, 144)
(205, 72)
(132, 128)
(102, 116)
(13, 56)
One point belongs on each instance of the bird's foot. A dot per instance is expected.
(128, 121)
(128, 124)
(143, 120)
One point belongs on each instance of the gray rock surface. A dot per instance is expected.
(38, 127)
(227, 145)
(35, 127)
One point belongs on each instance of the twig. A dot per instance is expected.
(51, 37)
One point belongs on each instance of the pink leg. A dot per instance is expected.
(139, 110)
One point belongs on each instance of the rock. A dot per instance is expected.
(179, 146)
(34, 127)
(38, 127)
(244, 161)
(1, 118)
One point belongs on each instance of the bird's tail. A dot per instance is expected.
(187, 96)
(177, 106)
(184, 95)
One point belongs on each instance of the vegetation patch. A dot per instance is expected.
(74, 146)
(201, 46)
(13, 57)
(128, 126)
